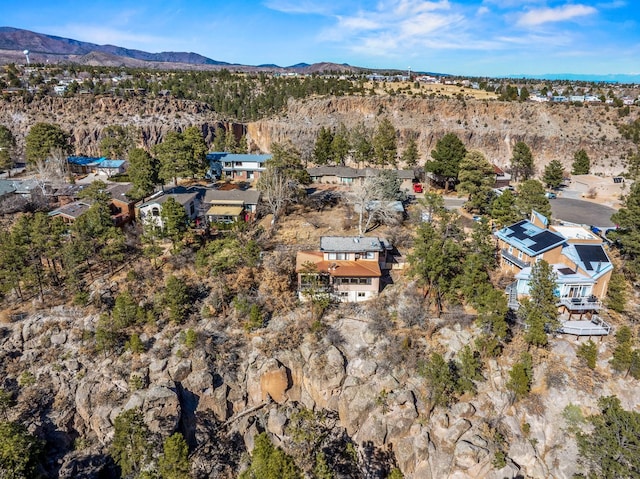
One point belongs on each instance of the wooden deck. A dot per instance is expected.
(595, 327)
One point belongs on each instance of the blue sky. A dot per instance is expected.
(485, 37)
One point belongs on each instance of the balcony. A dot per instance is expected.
(514, 259)
(581, 304)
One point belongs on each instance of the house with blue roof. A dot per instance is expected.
(88, 164)
(236, 166)
(578, 258)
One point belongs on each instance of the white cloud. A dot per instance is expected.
(560, 14)
(483, 10)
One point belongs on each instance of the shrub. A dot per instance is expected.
(588, 352)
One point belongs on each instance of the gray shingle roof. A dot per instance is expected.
(351, 244)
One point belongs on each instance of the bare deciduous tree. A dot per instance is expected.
(374, 201)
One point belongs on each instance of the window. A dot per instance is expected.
(364, 280)
(519, 254)
(510, 249)
(361, 295)
(369, 255)
(238, 163)
(337, 256)
(344, 294)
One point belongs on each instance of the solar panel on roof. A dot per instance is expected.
(566, 271)
(590, 254)
(543, 240)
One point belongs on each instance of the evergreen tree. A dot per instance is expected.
(521, 162)
(410, 154)
(194, 141)
(539, 311)
(143, 172)
(581, 163)
(270, 462)
(531, 196)
(521, 376)
(361, 144)
(322, 148)
(617, 292)
(340, 146)
(220, 139)
(623, 352)
(175, 157)
(176, 299)
(553, 174)
(440, 380)
(436, 260)
(469, 370)
(610, 449)
(131, 449)
(628, 232)
(126, 311)
(174, 461)
(19, 451)
(385, 145)
(7, 149)
(588, 352)
(476, 178)
(42, 139)
(446, 158)
(174, 220)
(503, 209)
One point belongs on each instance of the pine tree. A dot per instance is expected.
(174, 220)
(446, 158)
(7, 149)
(588, 352)
(130, 449)
(174, 461)
(581, 163)
(617, 292)
(410, 154)
(553, 174)
(322, 148)
(176, 299)
(521, 162)
(623, 352)
(385, 145)
(143, 172)
(539, 311)
(476, 179)
(340, 146)
(270, 462)
(115, 142)
(42, 139)
(521, 376)
(503, 209)
(628, 232)
(469, 370)
(531, 196)
(361, 144)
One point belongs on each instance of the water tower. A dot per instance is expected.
(26, 54)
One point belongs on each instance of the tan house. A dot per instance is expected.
(578, 257)
(348, 268)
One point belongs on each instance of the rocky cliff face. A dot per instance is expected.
(230, 386)
(553, 131)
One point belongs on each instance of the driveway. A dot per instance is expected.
(582, 212)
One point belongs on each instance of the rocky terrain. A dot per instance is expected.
(553, 131)
(231, 385)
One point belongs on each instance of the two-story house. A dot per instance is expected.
(578, 257)
(236, 166)
(348, 268)
(150, 212)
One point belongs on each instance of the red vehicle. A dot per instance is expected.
(417, 188)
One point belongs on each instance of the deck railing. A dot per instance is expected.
(586, 303)
(514, 259)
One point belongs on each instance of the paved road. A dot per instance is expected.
(582, 212)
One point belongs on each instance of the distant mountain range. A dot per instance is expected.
(52, 49)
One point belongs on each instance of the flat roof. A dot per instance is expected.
(223, 156)
(575, 232)
(350, 244)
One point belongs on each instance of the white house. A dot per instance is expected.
(150, 212)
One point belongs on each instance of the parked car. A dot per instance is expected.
(550, 195)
